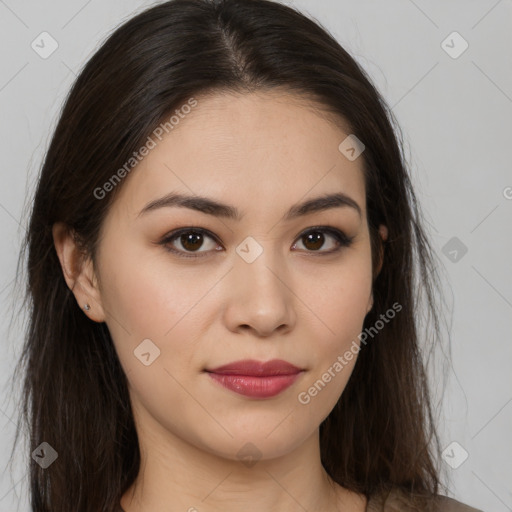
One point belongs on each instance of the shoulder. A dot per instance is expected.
(446, 504)
(398, 500)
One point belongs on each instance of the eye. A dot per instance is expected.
(191, 239)
(315, 238)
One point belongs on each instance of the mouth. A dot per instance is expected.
(256, 379)
(257, 368)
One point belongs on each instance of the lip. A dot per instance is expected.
(257, 368)
(256, 379)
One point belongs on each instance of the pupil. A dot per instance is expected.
(319, 237)
(188, 241)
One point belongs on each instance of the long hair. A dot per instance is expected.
(381, 434)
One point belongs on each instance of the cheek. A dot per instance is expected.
(339, 296)
(142, 300)
(140, 289)
(339, 307)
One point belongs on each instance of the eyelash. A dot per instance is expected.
(339, 236)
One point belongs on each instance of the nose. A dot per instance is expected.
(260, 297)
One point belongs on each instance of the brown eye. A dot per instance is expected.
(187, 242)
(190, 240)
(314, 239)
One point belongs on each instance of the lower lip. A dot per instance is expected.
(255, 387)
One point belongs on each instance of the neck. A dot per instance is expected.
(176, 475)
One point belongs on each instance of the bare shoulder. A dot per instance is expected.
(399, 501)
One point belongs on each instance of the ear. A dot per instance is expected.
(78, 272)
(383, 231)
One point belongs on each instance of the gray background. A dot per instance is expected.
(455, 114)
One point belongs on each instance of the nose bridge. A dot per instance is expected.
(259, 293)
(257, 266)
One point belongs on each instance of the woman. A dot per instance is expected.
(224, 260)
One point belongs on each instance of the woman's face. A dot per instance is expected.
(268, 285)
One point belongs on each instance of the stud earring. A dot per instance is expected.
(87, 307)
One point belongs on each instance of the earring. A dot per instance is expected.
(87, 307)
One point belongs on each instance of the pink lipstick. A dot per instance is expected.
(256, 379)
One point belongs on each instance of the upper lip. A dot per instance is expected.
(257, 368)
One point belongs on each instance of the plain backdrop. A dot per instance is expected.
(452, 96)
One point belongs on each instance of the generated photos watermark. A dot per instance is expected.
(151, 143)
(304, 397)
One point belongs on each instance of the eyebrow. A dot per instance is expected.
(215, 208)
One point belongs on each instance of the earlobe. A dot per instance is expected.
(383, 231)
(78, 272)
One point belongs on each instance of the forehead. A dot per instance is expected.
(264, 149)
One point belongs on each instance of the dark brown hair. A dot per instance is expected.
(381, 434)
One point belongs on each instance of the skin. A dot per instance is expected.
(261, 153)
